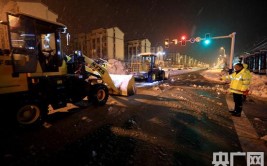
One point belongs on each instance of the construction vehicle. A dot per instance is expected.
(145, 66)
(35, 74)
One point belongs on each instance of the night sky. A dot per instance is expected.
(160, 19)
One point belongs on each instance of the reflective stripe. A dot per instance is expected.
(236, 90)
(237, 79)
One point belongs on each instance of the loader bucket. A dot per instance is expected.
(124, 83)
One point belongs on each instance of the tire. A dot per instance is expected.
(31, 114)
(151, 77)
(99, 94)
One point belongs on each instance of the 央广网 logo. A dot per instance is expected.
(253, 158)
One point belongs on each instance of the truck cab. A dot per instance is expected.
(34, 73)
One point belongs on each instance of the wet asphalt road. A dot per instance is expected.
(181, 121)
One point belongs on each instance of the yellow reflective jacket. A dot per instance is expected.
(239, 81)
(247, 70)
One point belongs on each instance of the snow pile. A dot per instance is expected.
(176, 71)
(116, 67)
(213, 74)
(258, 86)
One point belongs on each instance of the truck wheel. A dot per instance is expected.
(99, 95)
(31, 114)
(151, 77)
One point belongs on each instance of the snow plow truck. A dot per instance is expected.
(35, 74)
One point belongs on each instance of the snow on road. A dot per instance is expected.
(258, 86)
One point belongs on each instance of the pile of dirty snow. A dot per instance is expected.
(116, 67)
(258, 86)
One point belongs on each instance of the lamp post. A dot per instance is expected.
(224, 56)
(222, 48)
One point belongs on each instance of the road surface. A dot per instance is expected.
(181, 121)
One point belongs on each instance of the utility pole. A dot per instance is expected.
(232, 36)
(232, 50)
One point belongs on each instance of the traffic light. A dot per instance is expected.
(207, 39)
(166, 43)
(207, 36)
(183, 40)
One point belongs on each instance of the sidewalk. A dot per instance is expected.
(250, 133)
(256, 112)
(255, 106)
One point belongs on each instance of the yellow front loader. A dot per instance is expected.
(35, 73)
(118, 84)
(146, 67)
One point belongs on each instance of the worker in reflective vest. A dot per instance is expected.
(250, 76)
(240, 81)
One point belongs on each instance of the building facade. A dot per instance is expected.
(101, 43)
(135, 47)
(159, 51)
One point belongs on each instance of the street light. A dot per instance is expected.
(224, 56)
(222, 48)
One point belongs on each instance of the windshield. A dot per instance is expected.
(22, 36)
(36, 39)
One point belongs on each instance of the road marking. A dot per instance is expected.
(247, 135)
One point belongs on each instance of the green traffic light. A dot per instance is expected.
(207, 42)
